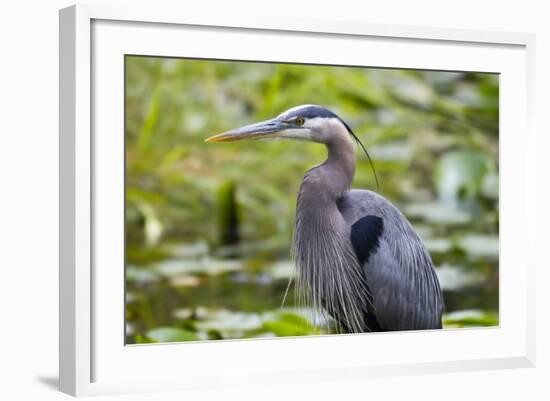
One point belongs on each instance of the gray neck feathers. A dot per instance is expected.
(329, 277)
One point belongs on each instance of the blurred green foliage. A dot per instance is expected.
(209, 226)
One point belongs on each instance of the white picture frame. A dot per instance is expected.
(93, 357)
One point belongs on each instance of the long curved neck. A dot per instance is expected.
(327, 181)
(340, 163)
(327, 269)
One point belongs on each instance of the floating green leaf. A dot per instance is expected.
(470, 318)
(289, 324)
(171, 334)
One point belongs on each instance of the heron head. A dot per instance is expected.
(306, 123)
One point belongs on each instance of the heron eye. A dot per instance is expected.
(300, 121)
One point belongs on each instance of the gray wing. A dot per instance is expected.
(399, 272)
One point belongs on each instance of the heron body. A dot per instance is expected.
(357, 256)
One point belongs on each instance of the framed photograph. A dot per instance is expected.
(272, 200)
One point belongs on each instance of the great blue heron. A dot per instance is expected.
(357, 256)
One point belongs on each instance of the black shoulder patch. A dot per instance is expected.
(365, 236)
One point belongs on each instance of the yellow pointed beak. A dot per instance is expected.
(263, 130)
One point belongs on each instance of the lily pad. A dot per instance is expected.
(183, 313)
(455, 277)
(480, 246)
(438, 245)
(141, 275)
(289, 324)
(438, 213)
(186, 280)
(175, 267)
(226, 321)
(171, 334)
(282, 270)
(185, 251)
(317, 318)
(470, 318)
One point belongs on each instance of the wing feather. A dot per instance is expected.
(404, 289)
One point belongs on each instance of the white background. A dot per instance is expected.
(236, 361)
(28, 203)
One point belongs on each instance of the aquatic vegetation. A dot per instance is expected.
(208, 228)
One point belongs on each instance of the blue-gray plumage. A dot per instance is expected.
(357, 256)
